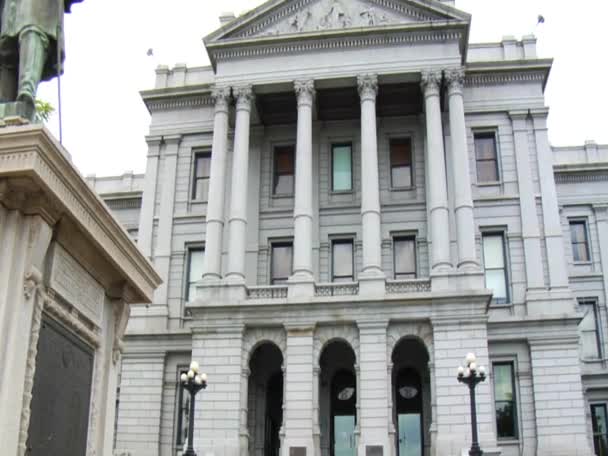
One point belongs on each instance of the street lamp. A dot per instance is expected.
(471, 376)
(193, 381)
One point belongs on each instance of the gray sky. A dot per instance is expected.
(105, 121)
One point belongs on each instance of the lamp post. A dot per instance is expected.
(472, 376)
(192, 381)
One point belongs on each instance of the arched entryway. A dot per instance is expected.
(411, 398)
(338, 400)
(265, 400)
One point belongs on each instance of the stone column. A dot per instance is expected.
(243, 429)
(561, 424)
(463, 201)
(302, 281)
(527, 202)
(316, 371)
(437, 198)
(237, 224)
(371, 272)
(298, 397)
(373, 391)
(391, 424)
(146, 219)
(554, 242)
(212, 267)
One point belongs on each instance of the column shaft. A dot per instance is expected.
(463, 201)
(212, 268)
(237, 224)
(370, 190)
(436, 185)
(146, 219)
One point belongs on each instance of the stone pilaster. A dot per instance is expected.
(554, 242)
(212, 267)
(373, 391)
(237, 224)
(527, 202)
(371, 277)
(601, 219)
(437, 199)
(463, 201)
(298, 397)
(218, 426)
(146, 218)
(302, 281)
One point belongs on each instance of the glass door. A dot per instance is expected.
(344, 435)
(408, 398)
(410, 432)
(343, 414)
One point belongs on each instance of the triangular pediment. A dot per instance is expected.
(291, 17)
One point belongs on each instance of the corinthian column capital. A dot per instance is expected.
(305, 91)
(244, 96)
(221, 97)
(430, 82)
(368, 86)
(455, 79)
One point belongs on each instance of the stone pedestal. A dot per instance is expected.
(68, 274)
(10, 112)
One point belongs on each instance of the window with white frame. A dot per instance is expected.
(342, 260)
(580, 241)
(281, 261)
(589, 329)
(404, 257)
(503, 376)
(194, 270)
(342, 167)
(486, 157)
(495, 266)
(200, 176)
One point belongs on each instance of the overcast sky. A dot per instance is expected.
(105, 121)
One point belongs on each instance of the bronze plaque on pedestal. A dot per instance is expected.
(61, 395)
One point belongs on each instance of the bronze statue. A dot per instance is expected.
(31, 47)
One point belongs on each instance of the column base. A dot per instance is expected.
(301, 285)
(542, 301)
(458, 280)
(372, 283)
(217, 290)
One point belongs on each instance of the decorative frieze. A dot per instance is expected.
(179, 102)
(490, 79)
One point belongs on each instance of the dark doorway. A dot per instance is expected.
(61, 394)
(343, 413)
(265, 401)
(408, 396)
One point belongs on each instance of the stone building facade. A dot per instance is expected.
(346, 202)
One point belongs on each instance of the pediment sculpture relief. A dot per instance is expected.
(335, 15)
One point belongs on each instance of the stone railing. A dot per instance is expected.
(337, 289)
(408, 286)
(267, 292)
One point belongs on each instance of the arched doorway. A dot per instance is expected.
(338, 400)
(265, 400)
(411, 398)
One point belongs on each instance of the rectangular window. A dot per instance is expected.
(486, 157)
(284, 168)
(599, 422)
(200, 181)
(404, 257)
(342, 261)
(182, 410)
(195, 270)
(588, 327)
(342, 167)
(281, 261)
(504, 400)
(401, 163)
(495, 266)
(580, 242)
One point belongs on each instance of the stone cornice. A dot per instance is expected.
(500, 73)
(177, 98)
(30, 152)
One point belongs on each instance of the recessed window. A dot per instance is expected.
(504, 400)
(404, 257)
(495, 266)
(342, 260)
(588, 328)
(401, 163)
(182, 408)
(599, 422)
(579, 240)
(284, 167)
(342, 167)
(281, 263)
(196, 256)
(486, 157)
(200, 181)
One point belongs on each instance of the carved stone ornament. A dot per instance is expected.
(33, 280)
(305, 91)
(455, 78)
(244, 96)
(340, 14)
(221, 96)
(368, 86)
(430, 82)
